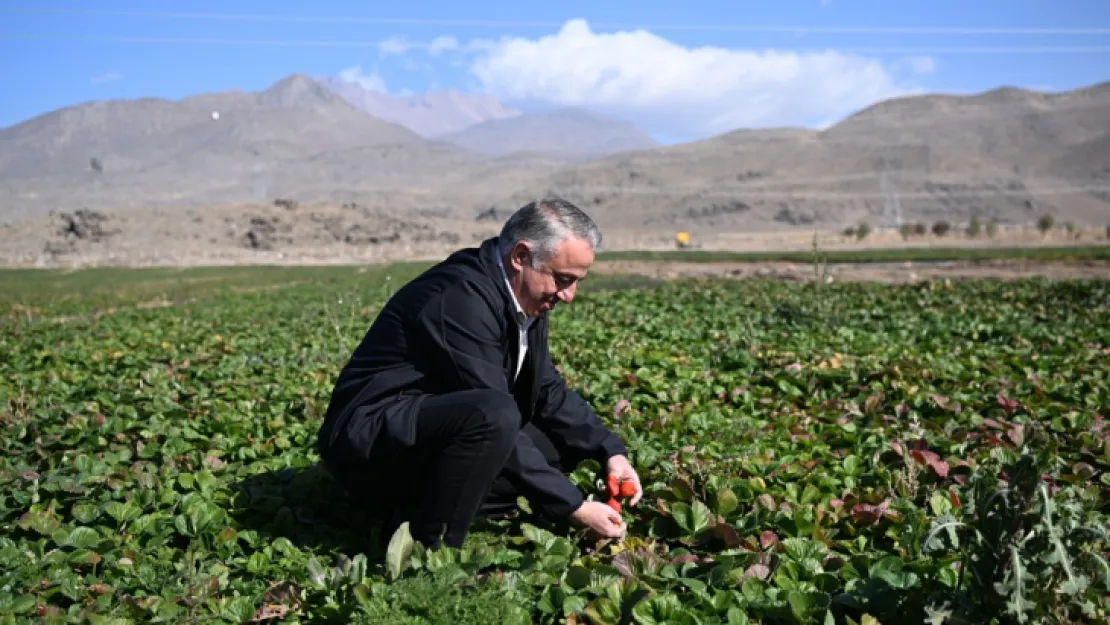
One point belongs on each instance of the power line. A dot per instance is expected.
(325, 43)
(283, 43)
(502, 23)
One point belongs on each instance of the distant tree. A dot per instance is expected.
(941, 228)
(95, 164)
(863, 230)
(906, 230)
(1073, 232)
(919, 229)
(849, 232)
(975, 227)
(992, 228)
(1045, 223)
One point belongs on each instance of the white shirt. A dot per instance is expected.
(523, 322)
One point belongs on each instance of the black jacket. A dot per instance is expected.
(451, 329)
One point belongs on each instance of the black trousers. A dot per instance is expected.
(452, 474)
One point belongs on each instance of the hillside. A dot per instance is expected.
(569, 133)
(1006, 154)
(428, 114)
(132, 135)
(222, 148)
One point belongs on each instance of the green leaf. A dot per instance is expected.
(692, 518)
(122, 511)
(317, 575)
(603, 611)
(238, 610)
(726, 502)
(83, 537)
(890, 569)
(399, 551)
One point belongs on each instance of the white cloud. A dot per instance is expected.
(398, 46)
(442, 44)
(371, 82)
(668, 88)
(109, 77)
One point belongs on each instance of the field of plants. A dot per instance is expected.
(843, 453)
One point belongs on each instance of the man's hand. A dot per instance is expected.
(620, 468)
(600, 519)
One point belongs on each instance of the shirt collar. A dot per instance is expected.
(521, 317)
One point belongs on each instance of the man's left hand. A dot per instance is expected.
(620, 468)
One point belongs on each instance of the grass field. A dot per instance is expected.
(841, 453)
(891, 255)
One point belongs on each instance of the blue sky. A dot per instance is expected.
(680, 69)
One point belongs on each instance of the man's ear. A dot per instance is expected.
(519, 256)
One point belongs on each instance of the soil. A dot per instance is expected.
(289, 234)
(875, 272)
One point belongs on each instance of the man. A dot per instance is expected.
(451, 406)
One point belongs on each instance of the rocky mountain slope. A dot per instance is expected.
(570, 133)
(294, 115)
(1006, 154)
(427, 114)
(483, 125)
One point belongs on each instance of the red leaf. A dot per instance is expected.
(1009, 405)
(867, 514)
(924, 457)
(768, 539)
(939, 467)
(760, 571)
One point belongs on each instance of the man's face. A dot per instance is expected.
(556, 280)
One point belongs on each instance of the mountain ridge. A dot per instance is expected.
(988, 154)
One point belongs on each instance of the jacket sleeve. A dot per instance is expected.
(571, 422)
(465, 348)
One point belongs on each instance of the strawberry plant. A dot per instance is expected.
(859, 453)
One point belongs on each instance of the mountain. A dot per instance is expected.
(211, 148)
(1010, 154)
(570, 133)
(428, 114)
(484, 126)
(294, 116)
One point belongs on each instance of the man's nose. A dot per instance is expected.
(567, 294)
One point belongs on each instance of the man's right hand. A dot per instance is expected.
(600, 519)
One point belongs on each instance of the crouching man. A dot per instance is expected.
(451, 408)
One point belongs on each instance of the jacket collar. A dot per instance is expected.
(521, 317)
(491, 264)
(490, 256)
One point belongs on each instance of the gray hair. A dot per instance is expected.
(546, 223)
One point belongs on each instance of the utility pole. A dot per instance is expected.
(892, 205)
